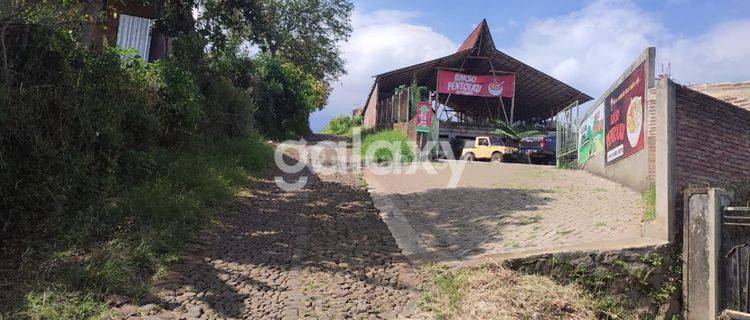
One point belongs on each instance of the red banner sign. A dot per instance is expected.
(424, 116)
(476, 85)
(624, 111)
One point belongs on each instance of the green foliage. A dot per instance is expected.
(649, 203)
(306, 32)
(140, 230)
(286, 97)
(80, 126)
(507, 130)
(225, 80)
(376, 147)
(108, 164)
(183, 104)
(53, 303)
(343, 125)
(230, 110)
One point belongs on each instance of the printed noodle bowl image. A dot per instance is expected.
(634, 120)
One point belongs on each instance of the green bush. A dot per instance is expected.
(225, 80)
(380, 153)
(229, 110)
(122, 242)
(286, 97)
(342, 125)
(107, 167)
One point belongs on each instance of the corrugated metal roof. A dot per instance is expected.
(537, 94)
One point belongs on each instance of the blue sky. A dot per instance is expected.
(586, 44)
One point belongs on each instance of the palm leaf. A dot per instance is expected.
(505, 129)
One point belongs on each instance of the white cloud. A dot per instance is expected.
(590, 48)
(720, 55)
(381, 41)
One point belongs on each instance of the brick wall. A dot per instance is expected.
(371, 109)
(735, 93)
(712, 142)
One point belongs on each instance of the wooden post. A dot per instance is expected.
(462, 67)
(500, 98)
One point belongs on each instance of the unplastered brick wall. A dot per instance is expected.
(735, 93)
(712, 142)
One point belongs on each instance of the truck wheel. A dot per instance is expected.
(497, 157)
(468, 157)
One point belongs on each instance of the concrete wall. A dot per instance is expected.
(712, 142)
(371, 113)
(702, 256)
(650, 133)
(664, 224)
(632, 171)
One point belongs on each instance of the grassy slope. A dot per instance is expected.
(136, 235)
(342, 125)
(374, 146)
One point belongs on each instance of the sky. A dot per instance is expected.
(586, 44)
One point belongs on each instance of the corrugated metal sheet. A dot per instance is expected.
(538, 95)
(134, 33)
(471, 40)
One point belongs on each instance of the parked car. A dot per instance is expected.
(490, 148)
(538, 149)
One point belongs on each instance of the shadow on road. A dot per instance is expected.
(460, 222)
(320, 251)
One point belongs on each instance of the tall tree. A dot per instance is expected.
(304, 32)
(20, 15)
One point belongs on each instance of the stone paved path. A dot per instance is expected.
(501, 209)
(319, 253)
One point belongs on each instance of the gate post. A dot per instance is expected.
(702, 213)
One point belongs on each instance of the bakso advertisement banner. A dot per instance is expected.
(476, 85)
(624, 117)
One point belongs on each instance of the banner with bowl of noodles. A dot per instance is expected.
(625, 117)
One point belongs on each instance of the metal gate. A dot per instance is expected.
(567, 136)
(734, 277)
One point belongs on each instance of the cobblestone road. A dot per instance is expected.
(319, 253)
(506, 208)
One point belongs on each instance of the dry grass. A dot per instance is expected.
(493, 292)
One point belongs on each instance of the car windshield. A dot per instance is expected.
(496, 142)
